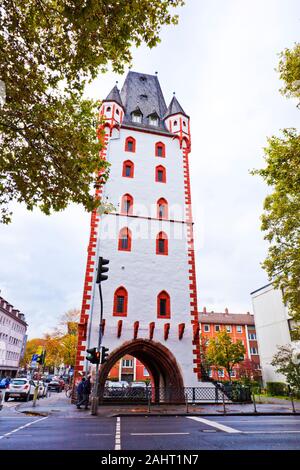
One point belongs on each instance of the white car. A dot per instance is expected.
(20, 388)
(2, 392)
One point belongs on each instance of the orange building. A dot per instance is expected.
(240, 327)
(130, 369)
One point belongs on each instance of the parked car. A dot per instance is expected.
(116, 389)
(2, 392)
(20, 388)
(139, 390)
(55, 385)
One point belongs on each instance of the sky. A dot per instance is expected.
(220, 60)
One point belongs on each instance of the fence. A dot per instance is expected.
(213, 394)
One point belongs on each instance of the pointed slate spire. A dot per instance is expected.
(114, 95)
(174, 108)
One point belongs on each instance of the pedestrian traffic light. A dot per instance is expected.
(104, 354)
(94, 355)
(102, 269)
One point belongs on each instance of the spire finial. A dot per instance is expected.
(156, 73)
(174, 93)
(117, 81)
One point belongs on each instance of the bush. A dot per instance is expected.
(277, 388)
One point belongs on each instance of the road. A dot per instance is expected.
(19, 432)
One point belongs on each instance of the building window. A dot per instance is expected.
(120, 302)
(175, 123)
(127, 204)
(162, 244)
(162, 209)
(221, 372)
(233, 373)
(127, 363)
(108, 109)
(210, 373)
(163, 305)
(239, 329)
(252, 336)
(217, 328)
(160, 149)
(136, 116)
(206, 328)
(145, 372)
(130, 144)
(228, 328)
(128, 169)
(253, 350)
(153, 120)
(124, 239)
(160, 174)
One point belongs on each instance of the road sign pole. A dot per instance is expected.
(94, 401)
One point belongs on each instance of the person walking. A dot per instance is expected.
(80, 388)
(86, 392)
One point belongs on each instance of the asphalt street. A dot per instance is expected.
(19, 432)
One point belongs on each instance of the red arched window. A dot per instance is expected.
(160, 174)
(127, 204)
(120, 302)
(130, 144)
(163, 305)
(162, 209)
(128, 169)
(124, 243)
(162, 244)
(160, 149)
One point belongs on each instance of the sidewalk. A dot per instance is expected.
(59, 405)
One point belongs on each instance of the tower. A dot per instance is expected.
(150, 297)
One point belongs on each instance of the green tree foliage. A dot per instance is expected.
(49, 49)
(222, 352)
(285, 364)
(281, 217)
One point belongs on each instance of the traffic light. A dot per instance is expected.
(94, 355)
(41, 358)
(102, 269)
(104, 354)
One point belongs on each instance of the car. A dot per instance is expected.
(139, 390)
(2, 392)
(20, 388)
(116, 389)
(55, 385)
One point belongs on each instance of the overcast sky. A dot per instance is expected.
(220, 61)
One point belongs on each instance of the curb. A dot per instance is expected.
(123, 415)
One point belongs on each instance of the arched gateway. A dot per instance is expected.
(150, 297)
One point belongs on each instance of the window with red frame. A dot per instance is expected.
(160, 149)
(120, 302)
(128, 169)
(162, 244)
(160, 174)
(130, 144)
(163, 305)
(162, 209)
(127, 204)
(124, 239)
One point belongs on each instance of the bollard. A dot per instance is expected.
(36, 391)
(149, 402)
(254, 403)
(224, 407)
(292, 400)
(186, 402)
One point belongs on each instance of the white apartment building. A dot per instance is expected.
(12, 338)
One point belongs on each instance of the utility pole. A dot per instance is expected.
(100, 278)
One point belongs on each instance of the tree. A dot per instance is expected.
(248, 372)
(31, 348)
(281, 217)
(285, 364)
(222, 352)
(49, 50)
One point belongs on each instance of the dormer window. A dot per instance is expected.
(136, 116)
(153, 121)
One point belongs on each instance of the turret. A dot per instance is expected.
(178, 122)
(112, 110)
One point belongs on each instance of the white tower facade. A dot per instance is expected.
(150, 298)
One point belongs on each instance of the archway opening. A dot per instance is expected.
(166, 380)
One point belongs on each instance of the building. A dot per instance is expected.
(130, 369)
(274, 328)
(12, 338)
(239, 326)
(150, 297)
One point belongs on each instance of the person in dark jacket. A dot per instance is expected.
(80, 388)
(86, 394)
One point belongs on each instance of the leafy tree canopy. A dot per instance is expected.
(49, 49)
(281, 217)
(222, 352)
(285, 364)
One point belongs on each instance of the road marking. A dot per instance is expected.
(118, 434)
(270, 432)
(214, 424)
(158, 433)
(22, 427)
(97, 434)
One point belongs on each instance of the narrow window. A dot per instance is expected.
(163, 305)
(161, 244)
(127, 204)
(160, 174)
(162, 209)
(128, 169)
(124, 239)
(120, 302)
(130, 144)
(160, 149)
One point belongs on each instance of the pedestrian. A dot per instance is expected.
(87, 391)
(80, 388)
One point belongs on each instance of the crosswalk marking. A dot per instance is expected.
(214, 424)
